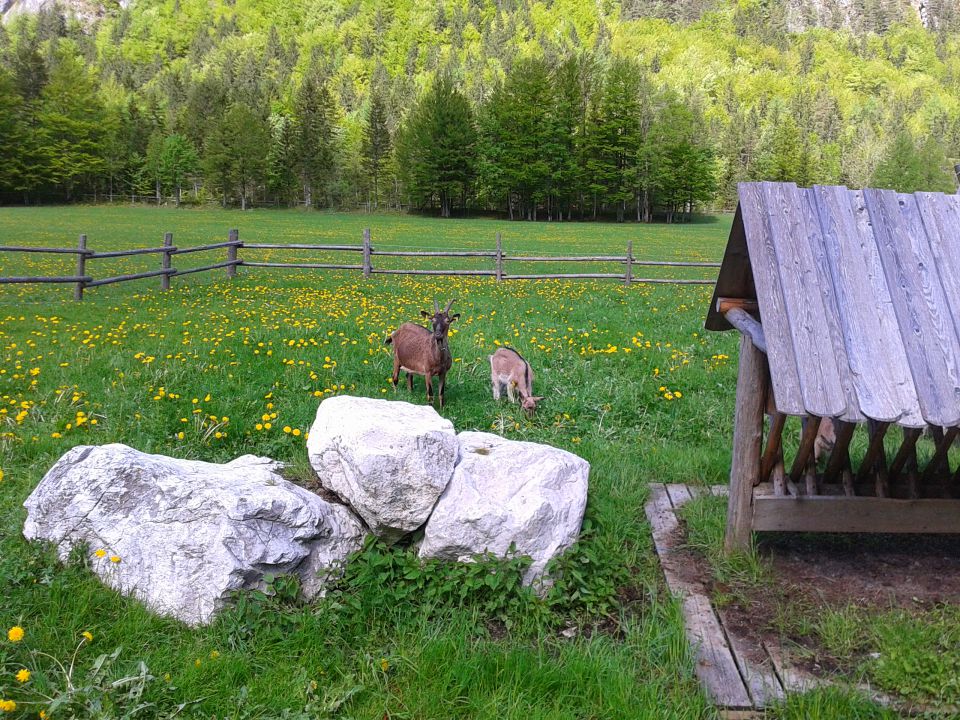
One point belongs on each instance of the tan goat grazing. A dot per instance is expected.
(420, 351)
(508, 368)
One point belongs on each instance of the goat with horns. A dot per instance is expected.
(421, 351)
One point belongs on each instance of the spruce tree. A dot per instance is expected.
(376, 142)
(315, 139)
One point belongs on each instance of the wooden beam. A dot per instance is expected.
(805, 451)
(874, 450)
(744, 322)
(840, 455)
(773, 452)
(908, 450)
(725, 305)
(940, 454)
(747, 440)
(822, 513)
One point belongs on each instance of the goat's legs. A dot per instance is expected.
(429, 379)
(396, 371)
(510, 391)
(410, 381)
(495, 384)
(441, 384)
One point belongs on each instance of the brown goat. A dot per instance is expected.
(417, 350)
(508, 368)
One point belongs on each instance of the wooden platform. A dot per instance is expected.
(741, 687)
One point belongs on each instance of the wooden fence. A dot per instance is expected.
(82, 279)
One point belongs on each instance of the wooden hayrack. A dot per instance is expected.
(848, 303)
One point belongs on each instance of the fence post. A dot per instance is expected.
(81, 268)
(165, 261)
(628, 278)
(367, 266)
(499, 258)
(232, 254)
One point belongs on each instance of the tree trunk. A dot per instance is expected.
(157, 188)
(178, 196)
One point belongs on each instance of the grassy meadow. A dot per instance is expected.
(217, 368)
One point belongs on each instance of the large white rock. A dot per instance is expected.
(503, 492)
(389, 460)
(188, 533)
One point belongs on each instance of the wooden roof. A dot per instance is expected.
(859, 297)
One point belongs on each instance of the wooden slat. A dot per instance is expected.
(760, 678)
(772, 453)
(805, 452)
(907, 450)
(763, 260)
(874, 449)
(715, 666)
(817, 363)
(871, 335)
(932, 346)
(840, 455)
(941, 220)
(834, 326)
(679, 494)
(822, 513)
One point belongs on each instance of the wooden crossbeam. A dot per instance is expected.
(805, 452)
(943, 443)
(874, 450)
(840, 456)
(772, 453)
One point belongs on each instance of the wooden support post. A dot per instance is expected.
(877, 431)
(811, 424)
(165, 263)
(773, 452)
(778, 476)
(940, 463)
(499, 268)
(747, 440)
(840, 455)
(367, 265)
(628, 278)
(81, 268)
(908, 450)
(232, 254)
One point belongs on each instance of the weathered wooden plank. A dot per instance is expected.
(817, 364)
(941, 220)
(793, 679)
(834, 326)
(776, 328)
(661, 517)
(720, 490)
(715, 666)
(871, 335)
(747, 439)
(919, 301)
(760, 678)
(827, 513)
(679, 494)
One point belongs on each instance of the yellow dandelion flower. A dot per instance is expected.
(214, 654)
(15, 634)
(114, 558)
(87, 635)
(101, 553)
(7, 706)
(296, 432)
(1, 475)
(287, 428)
(384, 664)
(23, 676)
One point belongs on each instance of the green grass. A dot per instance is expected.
(632, 383)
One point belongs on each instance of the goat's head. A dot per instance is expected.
(440, 321)
(529, 403)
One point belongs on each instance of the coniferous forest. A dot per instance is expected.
(549, 110)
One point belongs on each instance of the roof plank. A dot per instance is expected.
(783, 364)
(941, 220)
(817, 367)
(920, 304)
(871, 337)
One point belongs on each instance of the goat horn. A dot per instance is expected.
(447, 308)
(436, 307)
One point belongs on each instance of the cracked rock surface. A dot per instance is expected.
(389, 460)
(188, 533)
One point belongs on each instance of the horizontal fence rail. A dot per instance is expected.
(82, 278)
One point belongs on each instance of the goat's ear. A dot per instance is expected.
(424, 313)
(537, 398)
(454, 317)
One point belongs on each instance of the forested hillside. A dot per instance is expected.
(546, 110)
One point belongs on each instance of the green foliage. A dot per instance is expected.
(908, 168)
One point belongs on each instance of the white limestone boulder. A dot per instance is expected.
(188, 533)
(505, 492)
(388, 460)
